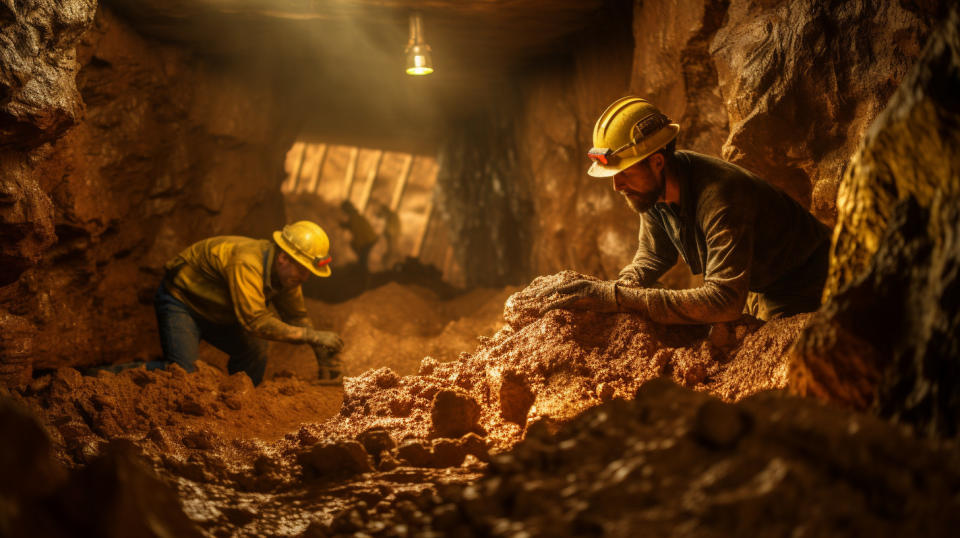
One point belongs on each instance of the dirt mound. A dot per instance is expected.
(263, 460)
(552, 368)
(396, 326)
(674, 462)
(171, 410)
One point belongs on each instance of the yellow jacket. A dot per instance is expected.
(228, 279)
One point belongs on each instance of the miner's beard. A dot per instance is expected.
(643, 201)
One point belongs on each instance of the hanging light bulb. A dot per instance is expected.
(419, 61)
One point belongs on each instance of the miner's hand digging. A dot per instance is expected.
(743, 234)
(222, 289)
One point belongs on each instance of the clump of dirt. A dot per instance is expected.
(396, 326)
(674, 462)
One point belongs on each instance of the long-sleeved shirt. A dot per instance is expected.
(741, 232)
(229, 280)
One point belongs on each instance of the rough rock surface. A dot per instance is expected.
(893, 312)
(38, 102)
(797, 106)
(169, 150)
(38, 94)
(115, 495)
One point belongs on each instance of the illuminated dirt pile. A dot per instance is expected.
(675, 462)
(551, 368)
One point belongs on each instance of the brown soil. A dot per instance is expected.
(413, 431)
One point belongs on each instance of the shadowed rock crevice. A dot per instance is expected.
(892, 311)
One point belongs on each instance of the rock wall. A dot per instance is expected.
(38, 102)
(166, 149)
(479, 197)
(784, 88)
(893, 311)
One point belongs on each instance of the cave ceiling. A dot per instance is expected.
(343, 60)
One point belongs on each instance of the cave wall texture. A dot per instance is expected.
(115, 153)
(892, 313)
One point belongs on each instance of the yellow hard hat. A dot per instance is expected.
(307, 243)
(628, 131)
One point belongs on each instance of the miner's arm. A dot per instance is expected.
(726, 222)
(250, 306)
(654, 256)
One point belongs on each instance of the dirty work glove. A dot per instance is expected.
(628, 278)
(326, 339)
(597, 296)
(329, 366)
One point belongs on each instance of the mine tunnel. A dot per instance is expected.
(479, 268)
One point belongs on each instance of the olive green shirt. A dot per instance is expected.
(742, 233)
(229, 280)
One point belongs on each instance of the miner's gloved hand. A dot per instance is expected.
(326, 339)
(329, 366)
(594, 295)
(629, 279)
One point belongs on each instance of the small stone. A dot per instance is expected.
(720, 425)
(454, 413)
(238, 383)
(413, 453)
(515, 398)
(200, 440)
(427, 366)
(342, 457)
(387, 462)
(447, 453)
(475, 445)
(307, 437)
(605, 392)
(401, 406)
(160, 438)
(376, 440)
(385, 378)
(189, 406)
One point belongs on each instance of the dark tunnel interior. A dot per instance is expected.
(510, 311)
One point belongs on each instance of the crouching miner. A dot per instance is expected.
(745, 236)
(222, 289)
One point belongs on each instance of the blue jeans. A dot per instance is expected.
(181, 331)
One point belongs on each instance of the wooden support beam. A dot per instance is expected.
(311, 184)
(291, 183)
(371, 179)
(418, 247)
(401, 183)
(351, 172)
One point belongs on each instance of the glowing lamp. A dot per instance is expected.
(419, 61)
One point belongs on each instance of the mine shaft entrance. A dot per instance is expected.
(379, 209)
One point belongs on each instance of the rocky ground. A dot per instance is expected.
(568, 423)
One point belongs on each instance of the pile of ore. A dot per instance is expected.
(550, 367)
(674, 462)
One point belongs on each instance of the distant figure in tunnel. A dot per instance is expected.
(362, 236)
(742, 233)
(222, 289)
